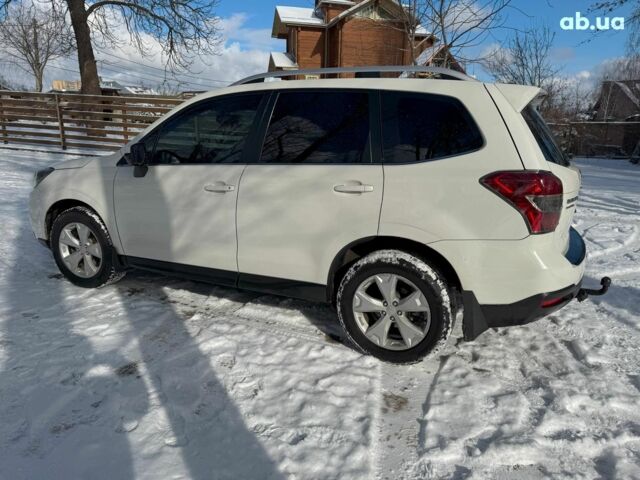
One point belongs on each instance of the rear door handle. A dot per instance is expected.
(219, 187)
(355, 188)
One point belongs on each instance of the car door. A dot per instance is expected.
(182, 210)
(313, 189)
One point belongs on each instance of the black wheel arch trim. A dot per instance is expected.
(366, 245)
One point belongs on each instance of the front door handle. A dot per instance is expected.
(353, 188)
(219, 187)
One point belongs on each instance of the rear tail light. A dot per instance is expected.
(536, 195)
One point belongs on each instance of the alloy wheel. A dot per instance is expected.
(80, 250)
(391, 311)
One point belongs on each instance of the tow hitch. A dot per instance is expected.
(583, 293)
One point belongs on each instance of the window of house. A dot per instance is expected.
(215, 131)
(417, 127)
(318, 127)
(375, 12)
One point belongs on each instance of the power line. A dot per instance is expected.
(113, 70)
(119, 69)
(152, 80)
(160, 69)
(148, 76)
(49, 65)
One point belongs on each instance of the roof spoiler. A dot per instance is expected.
(519, 96)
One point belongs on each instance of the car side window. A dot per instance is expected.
(418, 126)
(319, 126)
(212, 132)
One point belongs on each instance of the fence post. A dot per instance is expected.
(125, 130)
(63, 143)
(2, 121)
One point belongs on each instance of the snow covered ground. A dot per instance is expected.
(157, 377)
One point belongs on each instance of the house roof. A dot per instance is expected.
(337, 2)
(429, 54)
(309, 16)
(114, 85)
(349, 12)
(629, 92)
(293, 16)
(283, 60)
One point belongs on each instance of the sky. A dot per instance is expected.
(246, 30)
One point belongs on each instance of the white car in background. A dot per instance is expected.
(398, 200)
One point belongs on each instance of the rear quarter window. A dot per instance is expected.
(418, 127)
(544, 137)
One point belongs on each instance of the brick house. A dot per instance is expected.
(344, 33)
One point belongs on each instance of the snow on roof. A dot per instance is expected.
(420, 30)
(427, 55)
(293, 16)
(283, 60)
(629, 93)
(135, 90)
(337, 2)
(305, 16)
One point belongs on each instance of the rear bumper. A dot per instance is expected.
(478, 318)
(529, 309)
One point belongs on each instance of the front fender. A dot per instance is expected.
(90, 186)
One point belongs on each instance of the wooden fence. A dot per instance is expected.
(77, 121)
(599, 139)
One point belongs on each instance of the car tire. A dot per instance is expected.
(82, 248)
(375, 289)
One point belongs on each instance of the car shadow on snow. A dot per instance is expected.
(204, 423)
(60, 398)
(219, 301)
(79, 394)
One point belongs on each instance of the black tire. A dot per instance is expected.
(427, 279)
(107, 272)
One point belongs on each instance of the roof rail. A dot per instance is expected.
(443, 72)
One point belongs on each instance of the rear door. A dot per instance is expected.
(313, 188)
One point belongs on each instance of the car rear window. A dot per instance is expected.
(544, 137)
(417, 127)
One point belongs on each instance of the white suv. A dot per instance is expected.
(398, 200)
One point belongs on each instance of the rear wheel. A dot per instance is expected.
(82, 248)
(395, 306)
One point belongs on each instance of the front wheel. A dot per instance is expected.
(395, 306)
(82, 248)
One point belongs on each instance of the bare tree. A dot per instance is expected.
(8, 84)
(184, 29)
(411, 13)
(631, 20)
(457, 24)
(623, 68)
(526, 59)
(568, 99)
(33, 37)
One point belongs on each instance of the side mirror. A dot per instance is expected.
(137, 155)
